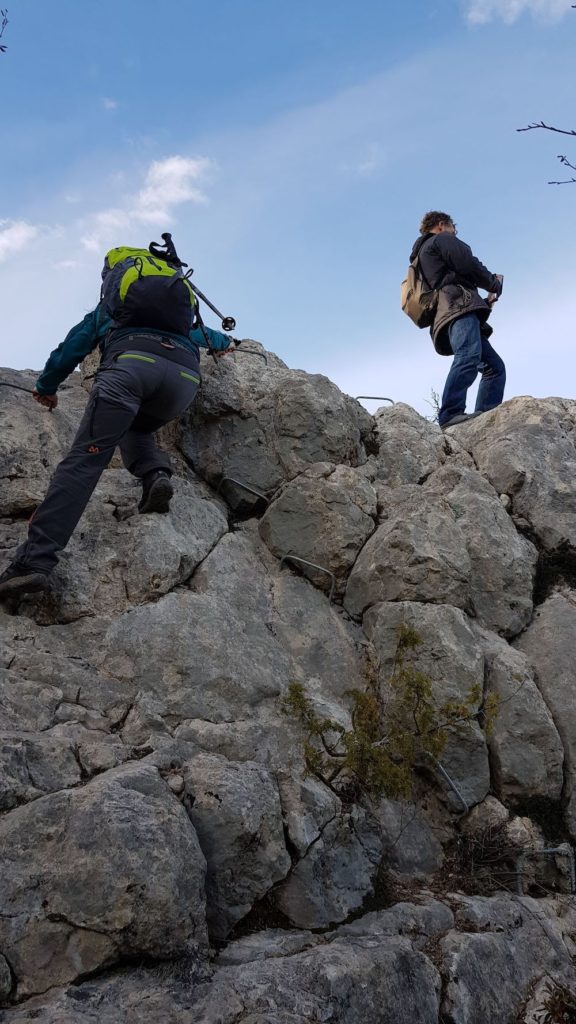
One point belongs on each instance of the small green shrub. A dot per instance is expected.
(388, 737)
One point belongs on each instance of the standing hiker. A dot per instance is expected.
(148, 329)
(460, 326)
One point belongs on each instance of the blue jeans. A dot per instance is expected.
(473, 354)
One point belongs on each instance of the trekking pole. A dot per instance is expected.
(168, 252)
(228, 322)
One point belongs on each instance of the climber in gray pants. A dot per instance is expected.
(144, 381)
(131, 397)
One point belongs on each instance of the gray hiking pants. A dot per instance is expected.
(131, 397)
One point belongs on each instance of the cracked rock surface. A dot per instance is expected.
(169, 850)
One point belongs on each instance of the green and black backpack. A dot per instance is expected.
(140, 289)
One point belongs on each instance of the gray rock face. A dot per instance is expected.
(502, 562)
(527, 752)
(336, 874)
(412, 849)
(450, 542)
(549, 643)
(526, 449)
(325, 516)
(503, 948)
(235, 809)
(32, 442)
(348, 980)
(263, 424)
(417, 554)
(409, 446)
(127, 879)
(152, 781)
(32, 765)
(451, 657)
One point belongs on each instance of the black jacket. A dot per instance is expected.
(450, 266)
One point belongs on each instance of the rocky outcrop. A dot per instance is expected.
(177, 840)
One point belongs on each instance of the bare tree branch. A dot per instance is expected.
(548, 127)
(3, 23)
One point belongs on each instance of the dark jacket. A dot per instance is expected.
(95, 329)
(450, 266)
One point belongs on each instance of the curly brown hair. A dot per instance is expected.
(433, 219)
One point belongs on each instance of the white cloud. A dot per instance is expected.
(167, 184)
(479, 12)
(109, 104)
(15, 235)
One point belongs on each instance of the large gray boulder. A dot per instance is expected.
(417, 554)
(410, 448)
(526, 448)
(325, 516)
(526, 751)
(32, 440)
(549, 644)
(336, 874)
(235, 809)
(449, 542)
(93, 875)
(502, 562)
(500, 949)
(261, 423)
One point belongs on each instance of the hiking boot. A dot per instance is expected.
(462, 417)
(20, 579)
(157, 491)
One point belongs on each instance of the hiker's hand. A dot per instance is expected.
(48, 401)
(227, 351)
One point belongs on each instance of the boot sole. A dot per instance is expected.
(30, 584)
(158, 498)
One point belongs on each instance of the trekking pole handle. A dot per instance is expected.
(228, 322)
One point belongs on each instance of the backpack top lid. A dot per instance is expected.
(121, 253)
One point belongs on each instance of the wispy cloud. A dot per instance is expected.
(167, 184)
(479, 12)
(109, 104)
(14, 236)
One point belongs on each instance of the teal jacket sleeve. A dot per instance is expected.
(78, 343)
(206, 337)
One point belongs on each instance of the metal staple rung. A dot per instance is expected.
(552, 851)
(375, 398)
(313, 565)
(245, 487)
(452, 784)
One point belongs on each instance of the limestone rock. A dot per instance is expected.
(412, 849)
(32, 440)
(526, 750)
(500, 951)
(349, 980)
(336, 874)
(235, 809)
(409, 446)
(32, 765)
(526, 448)
(502, 562)
(325, 516)
(549, 644)
(417, 554)
(263, 424)
(307, 807)
(91, 875)
(111, 565)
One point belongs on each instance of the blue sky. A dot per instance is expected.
(292, 148)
